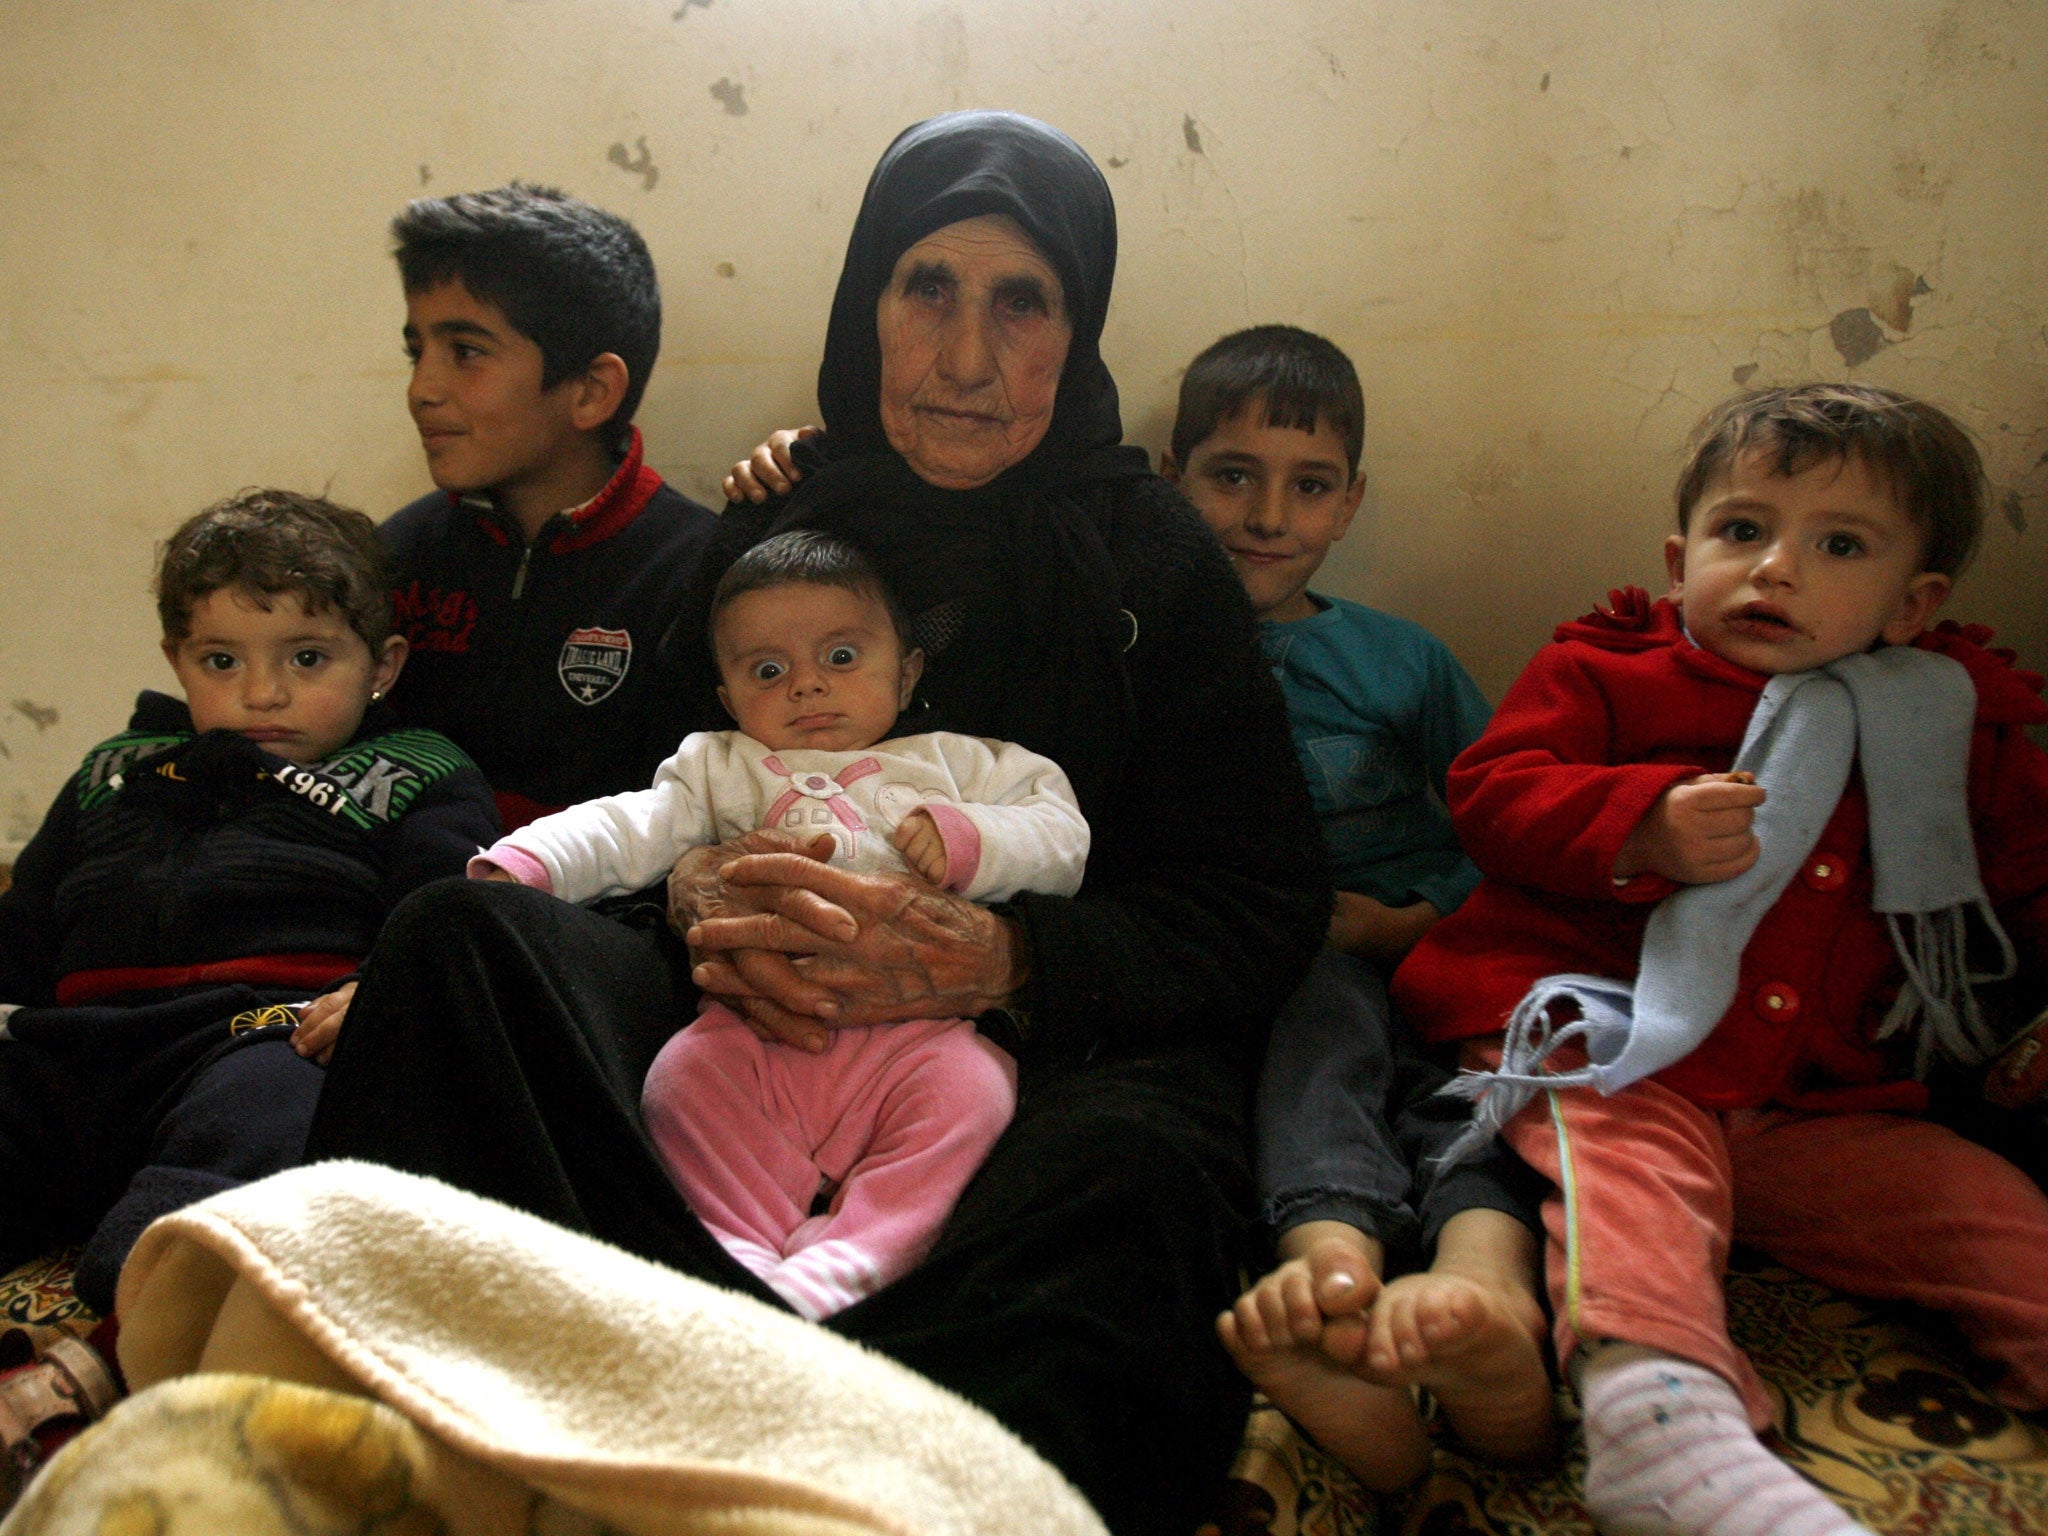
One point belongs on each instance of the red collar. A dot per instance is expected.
(628, 491)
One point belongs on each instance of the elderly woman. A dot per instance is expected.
(1066, 599)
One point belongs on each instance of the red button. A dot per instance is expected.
(1826, 872)
(1775, 1000)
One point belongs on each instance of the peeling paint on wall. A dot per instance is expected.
(1856, 336)
(642, 166)
(1744, 373)
(2015, 511)
(732, 96)
(41, 716)
(1191, 133)
(685, 8)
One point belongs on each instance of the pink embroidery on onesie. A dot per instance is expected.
(815, 799)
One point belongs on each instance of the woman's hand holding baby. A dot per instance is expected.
(320, 1023)
(1698, 832)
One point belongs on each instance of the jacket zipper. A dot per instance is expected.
(519, 576)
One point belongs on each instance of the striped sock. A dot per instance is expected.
(1669, 1452)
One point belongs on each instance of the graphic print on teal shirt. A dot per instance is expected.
(1379, 707)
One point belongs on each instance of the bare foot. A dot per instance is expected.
(1297, 1334)
(1477, 1345)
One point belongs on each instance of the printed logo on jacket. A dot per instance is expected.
(593, 663)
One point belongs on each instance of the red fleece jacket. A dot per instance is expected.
(1617, 710)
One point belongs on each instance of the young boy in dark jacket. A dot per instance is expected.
(534, 584)
(220, 861)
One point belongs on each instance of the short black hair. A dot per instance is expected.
(575, 280)
(1923, 452)
(1302, 379)
(805, 557)
(263, 542)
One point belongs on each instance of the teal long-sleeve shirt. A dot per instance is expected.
(1379, 707)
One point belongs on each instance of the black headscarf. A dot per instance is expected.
(1015, 598)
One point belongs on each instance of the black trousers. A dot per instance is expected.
(499, 1040)
(112, 1116)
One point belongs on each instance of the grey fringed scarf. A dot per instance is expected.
(1907, 715)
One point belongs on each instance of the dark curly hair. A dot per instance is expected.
(263, 542)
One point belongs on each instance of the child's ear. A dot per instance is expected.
(1169, 467)
(913, 669)
(390, 662)
(725, 703)
(1674, 562)
(1925, 594)
(1354, 494)
(600, 389)
(170, 649)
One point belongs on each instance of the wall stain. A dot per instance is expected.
(1191, 133)
(2015, 511)
(726, 269)
(733, 97)
(684, 9)
(1894, 304)
(41, 716)
(642, 165)
(1544, 83)
(1745, 372)
(426, 173)
(1118, 162)
(1856, 336)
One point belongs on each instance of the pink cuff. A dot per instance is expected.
(516, 862)
(962, 839)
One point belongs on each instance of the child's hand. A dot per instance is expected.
(768, 470)
(917, 839)
(1372, 930)
(1698, 832)
(320, 1023)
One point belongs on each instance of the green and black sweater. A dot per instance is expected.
(174, 860)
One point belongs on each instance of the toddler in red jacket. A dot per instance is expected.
(1746, 851)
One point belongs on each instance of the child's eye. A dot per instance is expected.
(1842, 545)
(1740, 530)
(767, 671)
(1235, 479)
(308, 658)
(217, 661)
(842, 656)
(1309, 485)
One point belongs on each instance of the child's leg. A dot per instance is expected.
(1282, 1335)
(1335, 1185)
(911, 1119)
(1638, 1248)
(1900, 1208)
(243, 1116)
(728, 1137)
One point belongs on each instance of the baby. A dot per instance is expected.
(826, 1174)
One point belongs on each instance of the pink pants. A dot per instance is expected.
(892, 1120)
(1650, 1190)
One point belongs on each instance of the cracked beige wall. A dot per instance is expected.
(1550, 232)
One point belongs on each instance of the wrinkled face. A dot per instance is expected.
(1277, 497)
(483, 419)
(294, 682)
(1783, 573)
(974, 332)
(804, 665)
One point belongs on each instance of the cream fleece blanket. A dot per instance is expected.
(621, 1390)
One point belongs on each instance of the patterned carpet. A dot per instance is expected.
(1876, 1406)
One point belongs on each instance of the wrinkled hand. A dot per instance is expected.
(768, 470)
(903, 950)
(922, 847)
(320, 1023)
(1372, 930)
(1698, 832)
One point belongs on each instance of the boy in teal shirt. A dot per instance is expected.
(1266, 445)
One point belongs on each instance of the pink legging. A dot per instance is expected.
(894, 1120)
(1650, 1189)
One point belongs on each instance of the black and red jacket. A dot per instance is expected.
(539, 659)
(172, 861)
